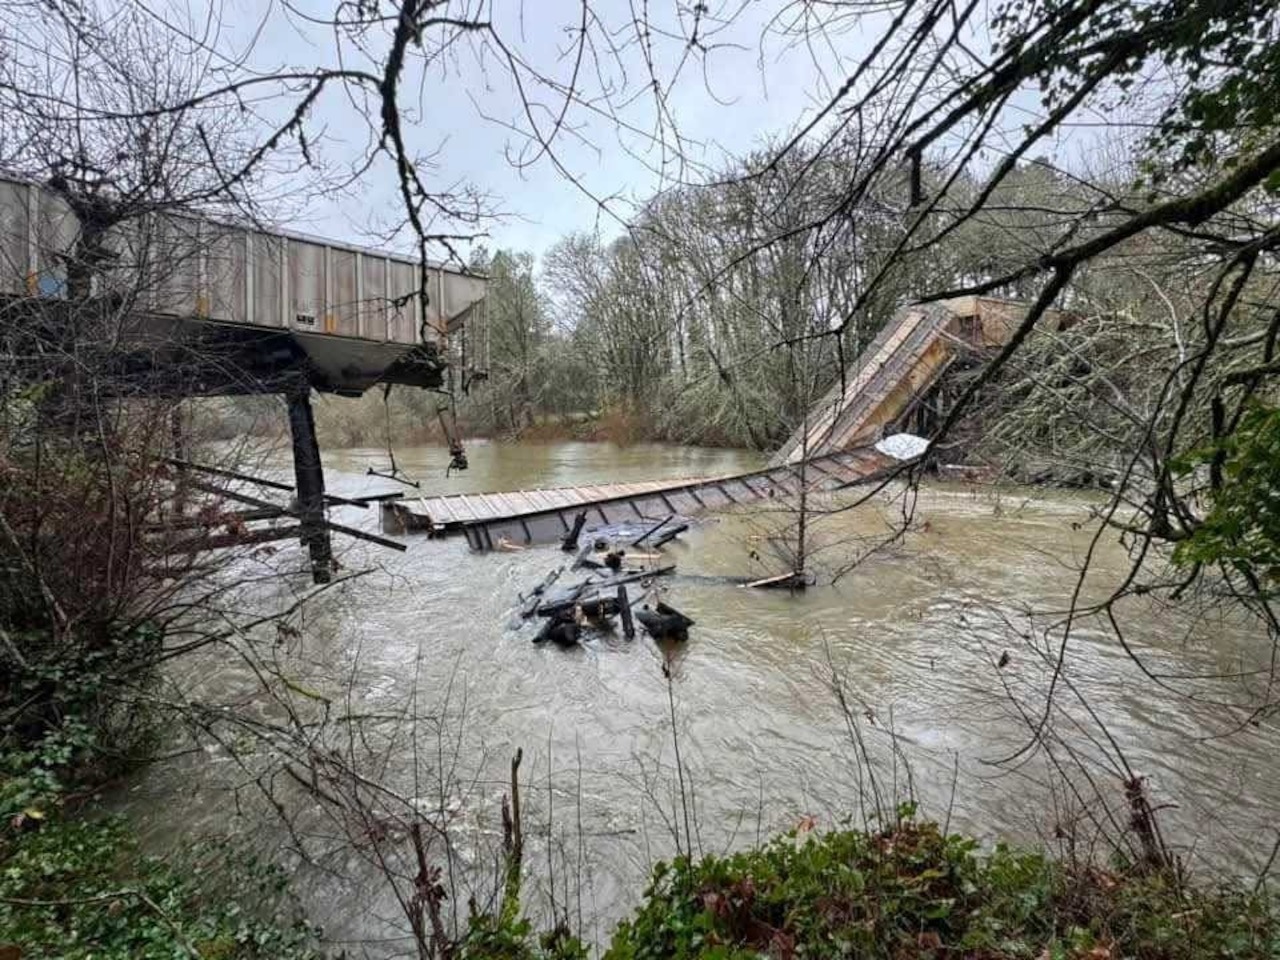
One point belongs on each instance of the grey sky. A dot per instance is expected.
(725, 104)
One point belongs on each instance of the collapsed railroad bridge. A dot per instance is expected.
(175, 305)
(905, 380)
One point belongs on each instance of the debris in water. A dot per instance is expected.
(563, 633)
(664, 623)
(903, 446)
(670, 535)
(783, 581)
(570, 541)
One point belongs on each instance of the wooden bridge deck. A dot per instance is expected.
(543, 516)
(906, 353)
(879, 389)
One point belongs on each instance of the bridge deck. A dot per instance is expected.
(544, 516)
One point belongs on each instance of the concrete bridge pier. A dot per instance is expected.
(309, 478)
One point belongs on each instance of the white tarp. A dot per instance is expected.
(903, 446)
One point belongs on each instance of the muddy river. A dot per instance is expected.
(916, 632)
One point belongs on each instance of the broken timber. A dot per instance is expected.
(591, 590)
(327, 525)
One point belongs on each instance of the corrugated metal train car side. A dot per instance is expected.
(187, 267)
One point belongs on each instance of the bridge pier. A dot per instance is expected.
(309, 479)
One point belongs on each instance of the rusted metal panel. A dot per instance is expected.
(225, 274)
(176, 260)
(538, 500)
(126, 274)
(55, 232)
(681, 502)
(267, 275)
(486, 505)
(374, 304)
(402, 314)
(437, 321)
(441, 510)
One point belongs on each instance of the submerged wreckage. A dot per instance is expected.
(867, 429)
(616, 558)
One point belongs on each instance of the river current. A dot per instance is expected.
(916, 633)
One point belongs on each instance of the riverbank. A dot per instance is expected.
(913, 890)
(80, 891)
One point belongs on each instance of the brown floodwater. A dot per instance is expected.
(915, 631)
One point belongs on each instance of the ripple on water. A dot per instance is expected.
(915, 634)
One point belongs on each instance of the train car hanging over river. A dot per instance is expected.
(264, 303)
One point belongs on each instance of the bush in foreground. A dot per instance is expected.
(82, 891)
(915, 892)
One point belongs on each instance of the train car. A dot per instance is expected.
(352, 314)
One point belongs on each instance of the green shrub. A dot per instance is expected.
(494, 937)
(82, 890)
(913, 892)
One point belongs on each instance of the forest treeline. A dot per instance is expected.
(689, 327)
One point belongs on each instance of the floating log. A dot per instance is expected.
(570, 541)
(624, 607)
(789, 581)
(670, 535)
(652, 530)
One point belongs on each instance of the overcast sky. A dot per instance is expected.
(750, 86)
